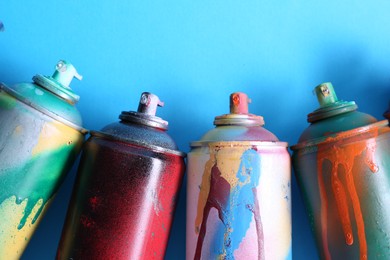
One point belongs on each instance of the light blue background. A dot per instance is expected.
(193, 54)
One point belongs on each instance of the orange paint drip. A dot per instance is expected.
(342, 151)
(342, 206)
(358, 215)
(370, 156)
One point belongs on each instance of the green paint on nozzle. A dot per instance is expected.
(64, 73)
(325, 94)
(60, 81)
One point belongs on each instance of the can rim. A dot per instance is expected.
(137, 143)
(238, 143)
(56, 88)
(42, 109)
(143, 119)
(341, 135)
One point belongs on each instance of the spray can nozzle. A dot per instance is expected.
(325, 94)
(65, 72)
(330, 105)
(239, 113)
(239, 103)
(60, 81)
(146, 113)
(148, 104)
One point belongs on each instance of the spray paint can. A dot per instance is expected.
(40, 137)
(386, 114)
(238, 191)
(342, 166)
(125, 192)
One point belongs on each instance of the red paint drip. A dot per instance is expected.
(218, 199)
(259, 226)
(342, 151)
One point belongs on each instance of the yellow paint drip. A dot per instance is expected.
(228, 162)
(14, 240)
(55, 135)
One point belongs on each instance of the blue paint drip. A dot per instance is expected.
(241, 206)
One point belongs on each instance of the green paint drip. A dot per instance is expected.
(38, 179)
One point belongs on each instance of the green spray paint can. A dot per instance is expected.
(40, 137)
(342, 166)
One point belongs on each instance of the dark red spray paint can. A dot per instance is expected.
(125, 193)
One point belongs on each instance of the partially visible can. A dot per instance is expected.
(238, 191)
(126, 188)
(386, 114)
(40, 137)
(342, 165)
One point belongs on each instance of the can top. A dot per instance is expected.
(239, 113)
(333, 116)
(239, 125)
(146, 113)
(142, 128)
(51, 95)
(59, 83)
(329, 103)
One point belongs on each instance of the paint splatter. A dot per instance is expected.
(30, 185)
(94, 202)
(42, 158)
(342, 154)
(125, 210)
(236, 204)
(217, 198)
(29, 180)
(245, 204)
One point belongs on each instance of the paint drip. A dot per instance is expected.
(14, 183)
(342, 156)
(236, 203)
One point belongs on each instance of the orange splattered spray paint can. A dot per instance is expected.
(342, 166)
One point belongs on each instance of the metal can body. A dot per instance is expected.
(36, 151)
(126, 188)
(345, 180)
(238, 201)
(342, 166)
(123, 203)
(238, 190)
